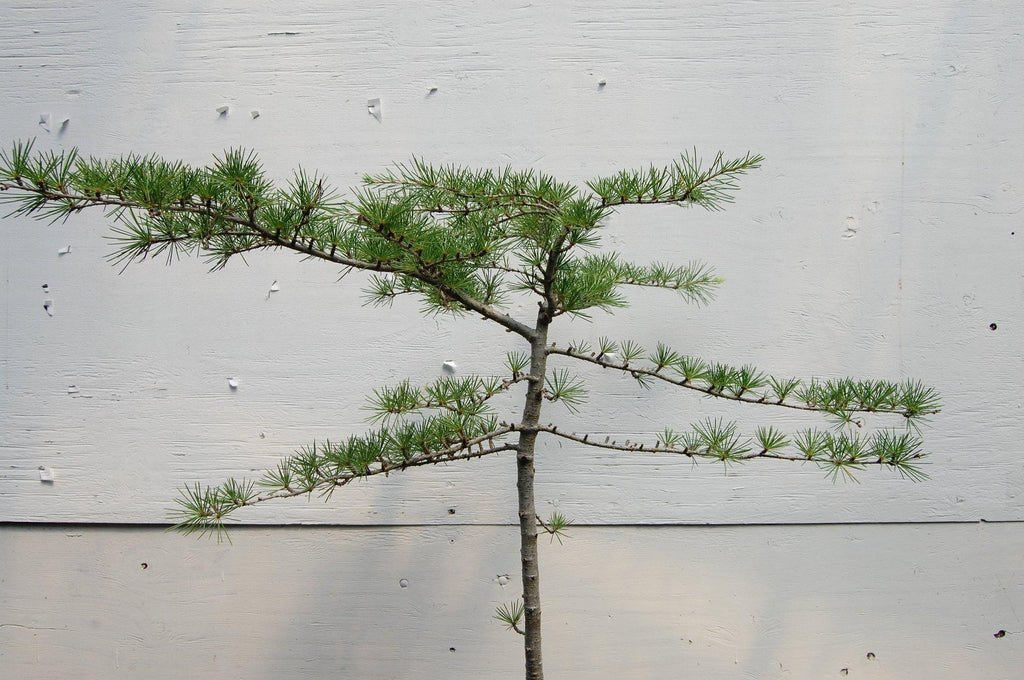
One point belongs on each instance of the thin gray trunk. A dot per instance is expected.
(527, 506)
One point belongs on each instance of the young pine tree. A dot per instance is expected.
(467, 242)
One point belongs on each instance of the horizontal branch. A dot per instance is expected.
(472, 188)
(79, 201)
(459, 395)
(206, 509)
(463, 451)
(593, 280)
(747, 395)
(841, 454)
(687, 180)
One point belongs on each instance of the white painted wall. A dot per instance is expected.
(876, 241)
(881, 239)
(715, 603)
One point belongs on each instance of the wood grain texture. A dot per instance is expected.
(882, 238)
(753, 603)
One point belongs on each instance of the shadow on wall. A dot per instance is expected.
(761, 602)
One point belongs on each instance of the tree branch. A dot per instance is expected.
(685, 181)
(840, 455)
(710, 390)
(306, 247)
(205, 510)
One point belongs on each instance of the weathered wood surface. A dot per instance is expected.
(882, 238)
(896, 602)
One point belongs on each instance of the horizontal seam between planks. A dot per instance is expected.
(423, 525)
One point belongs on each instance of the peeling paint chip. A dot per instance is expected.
(449, 366)
(373, 108)
(851, 227)
(45, 474)
(274, 287)
(223, 109)
(73, 389)
(232, 383)
(44, 121)
(255, 114)
(66, 250)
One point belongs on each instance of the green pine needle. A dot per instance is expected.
(511, 615)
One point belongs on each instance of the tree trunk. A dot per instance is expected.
(527, 506)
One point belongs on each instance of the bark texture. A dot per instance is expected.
(527, 505)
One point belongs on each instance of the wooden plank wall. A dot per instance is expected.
(881, 239)
(882, 601)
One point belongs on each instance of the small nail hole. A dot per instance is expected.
(992, 326)
(451, 511)
(145, 565)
